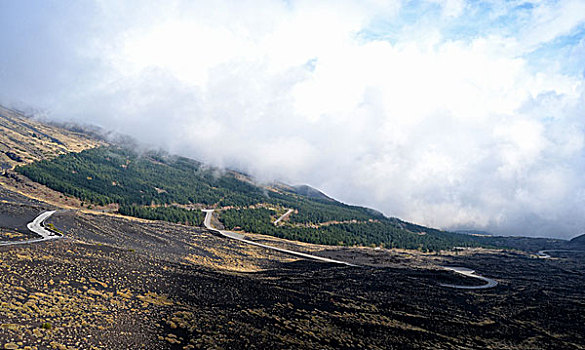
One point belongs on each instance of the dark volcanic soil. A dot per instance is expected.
(7, 196)
(14, 218)
(126, 284)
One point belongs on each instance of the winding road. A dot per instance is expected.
(469, 273)
(241, 238)
(36, 226)
(490, 283)
(544, 254)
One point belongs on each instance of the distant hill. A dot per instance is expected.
(578, 242)
(310, 192)
(305, 190)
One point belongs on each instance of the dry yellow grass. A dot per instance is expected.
(243, 259)
(25, 140)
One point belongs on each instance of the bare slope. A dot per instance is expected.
(25, 140)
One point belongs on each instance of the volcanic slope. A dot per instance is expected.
(25, 140)
(116, 282)
(154, 185)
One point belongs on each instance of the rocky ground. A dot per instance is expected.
(119, 283)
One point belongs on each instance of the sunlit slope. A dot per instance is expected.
(25, 140)
(164, 187)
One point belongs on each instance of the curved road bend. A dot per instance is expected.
(36, 226)
(469, 273)
(241, 238)
(544, 254)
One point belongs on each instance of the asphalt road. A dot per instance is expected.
(241, 238)
(469, 273)
(36, 226)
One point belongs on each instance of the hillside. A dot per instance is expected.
(578, 242)
(122, 282)
(25, 140)
(310, 192)
(159, 186)
(155, 185)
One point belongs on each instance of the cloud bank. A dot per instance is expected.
(453, 114)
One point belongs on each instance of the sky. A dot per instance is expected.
(456, 114)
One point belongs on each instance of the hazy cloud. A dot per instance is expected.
(447, 113)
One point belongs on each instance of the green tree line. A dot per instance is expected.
(147, 185)
(170, 214)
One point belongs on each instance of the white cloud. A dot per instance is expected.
(447, 128)
(451, 8)
(552, 19)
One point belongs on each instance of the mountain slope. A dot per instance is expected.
(25, 140)
(308, 191)
(159, 186)
(124, 283)
(578, 242)
(146, 185)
